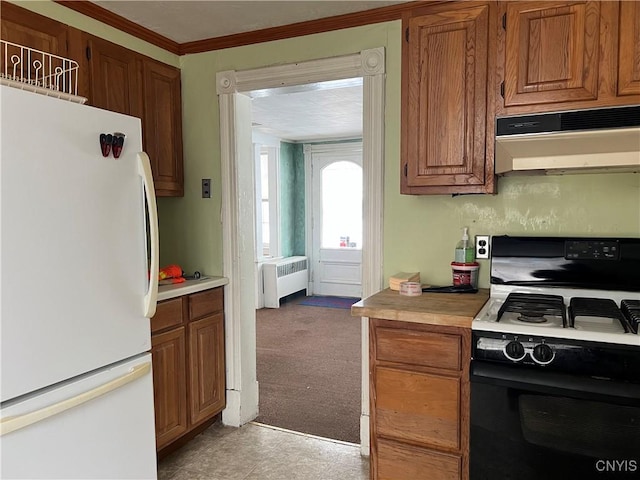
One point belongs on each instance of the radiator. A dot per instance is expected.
(283, 277)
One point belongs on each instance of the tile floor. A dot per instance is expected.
(256, 451)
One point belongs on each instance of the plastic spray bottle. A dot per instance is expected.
(465, 252)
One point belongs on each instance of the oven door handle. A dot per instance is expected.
(544, 381)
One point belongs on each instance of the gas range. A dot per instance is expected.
(562, 303)
(562, 313)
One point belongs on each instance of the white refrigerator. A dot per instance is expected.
(78, 242)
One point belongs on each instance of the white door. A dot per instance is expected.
(337, 219)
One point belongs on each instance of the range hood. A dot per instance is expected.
(580, 141)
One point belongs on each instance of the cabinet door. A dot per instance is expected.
(162, 126)
(629, 49)
(444, 98)
(114, 77)
(29, 29)
(552, 51)
(206, 367)
(168, 353)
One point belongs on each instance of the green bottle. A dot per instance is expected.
(465, 251)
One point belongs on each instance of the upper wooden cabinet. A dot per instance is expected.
(552, 52)
(447, 114)
(563, 55)
(162, 126)
(26, 28)
(127, 82)
(629, 49)
(114, 77)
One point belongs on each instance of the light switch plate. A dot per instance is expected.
(206, 188)
(482, 247)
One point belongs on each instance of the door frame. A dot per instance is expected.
(311, 150)
(237, 212)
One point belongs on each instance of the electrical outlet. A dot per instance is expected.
(206, 188)
(482, 246)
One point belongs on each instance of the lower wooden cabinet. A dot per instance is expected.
(206, 367)
(419, 393)
(188, 364)
(168, 351)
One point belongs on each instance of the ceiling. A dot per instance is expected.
(328, 111)
(189, 21)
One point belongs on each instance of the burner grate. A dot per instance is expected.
(631, 310)
(596, 307)
(533, 307)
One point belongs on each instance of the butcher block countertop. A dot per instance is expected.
(450, 309)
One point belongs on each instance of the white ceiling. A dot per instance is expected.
(188, 21)
(319, 112)
(328, 111)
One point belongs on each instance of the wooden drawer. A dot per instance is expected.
(418, 348)
(405, 462)
(417, 407)
(168, 314)
(205, 303)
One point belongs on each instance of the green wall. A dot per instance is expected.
(420, 232)
(292, 199)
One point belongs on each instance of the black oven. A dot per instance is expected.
(536, 424)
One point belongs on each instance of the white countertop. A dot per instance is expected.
(165, 292)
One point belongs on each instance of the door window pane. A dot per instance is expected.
(341, 186)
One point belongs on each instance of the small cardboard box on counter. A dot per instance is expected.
(398, 278)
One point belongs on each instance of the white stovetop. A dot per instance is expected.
(486, 318)
(166, 292)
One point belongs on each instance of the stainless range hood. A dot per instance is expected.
(580, 141)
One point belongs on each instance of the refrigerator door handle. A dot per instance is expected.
(144, 170)
(11, 424)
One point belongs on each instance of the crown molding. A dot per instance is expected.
(348, 20)
(103, 15)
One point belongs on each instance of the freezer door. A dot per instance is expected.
(74, 250)
(99, 426)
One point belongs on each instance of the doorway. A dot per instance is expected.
(238, 208)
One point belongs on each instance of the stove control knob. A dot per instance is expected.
(542, 354)
(514, 351)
